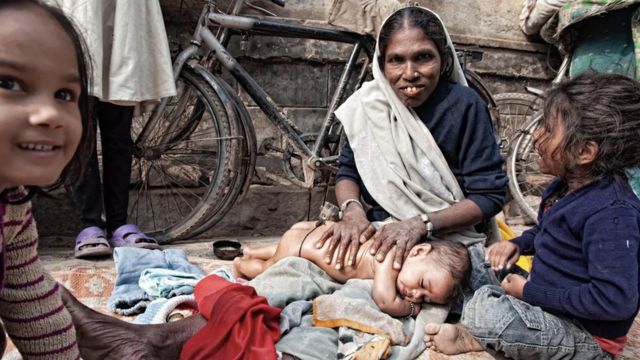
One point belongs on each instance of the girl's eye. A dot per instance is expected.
(10, 84)
(65, 95)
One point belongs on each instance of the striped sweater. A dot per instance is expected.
(30, 305)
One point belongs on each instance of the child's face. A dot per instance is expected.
(547, 142)
(421, 279)
(40, 122)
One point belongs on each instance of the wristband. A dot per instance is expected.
(346, 203)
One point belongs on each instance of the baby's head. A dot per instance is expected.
(434, 272)
(591, 127)
(44, 109)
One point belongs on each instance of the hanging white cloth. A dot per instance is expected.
(128, 46)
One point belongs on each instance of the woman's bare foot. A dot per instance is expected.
(103, 337)
(450, 339)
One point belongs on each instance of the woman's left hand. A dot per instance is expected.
(404, 235)
(514, 285)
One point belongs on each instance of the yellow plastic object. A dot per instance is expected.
(506, 233)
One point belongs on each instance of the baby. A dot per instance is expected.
(434, 272)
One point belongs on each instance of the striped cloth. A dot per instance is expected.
(30, 305)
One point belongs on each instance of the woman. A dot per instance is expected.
(419, 143)
(420, 149)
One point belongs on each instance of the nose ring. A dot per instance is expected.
(416, 74)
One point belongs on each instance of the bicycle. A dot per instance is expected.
(197, 151)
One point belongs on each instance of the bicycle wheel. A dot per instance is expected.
(183, 169)
(526, 183)
(514, 110)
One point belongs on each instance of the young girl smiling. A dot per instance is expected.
(43, 121)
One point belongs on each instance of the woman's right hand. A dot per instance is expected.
(502, 255)
(347, 234)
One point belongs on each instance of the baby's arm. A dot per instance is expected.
(30, 304)
(385, 293)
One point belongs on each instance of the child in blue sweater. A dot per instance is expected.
(582, 294)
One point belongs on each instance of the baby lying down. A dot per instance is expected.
(434, 272)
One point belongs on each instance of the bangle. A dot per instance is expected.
(427, 222)
(346, 203)
(413, 309)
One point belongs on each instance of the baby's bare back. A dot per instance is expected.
(362, 270)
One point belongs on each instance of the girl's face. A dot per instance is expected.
(422, 279)
(412, 65)
(40, 122)
(547, 141)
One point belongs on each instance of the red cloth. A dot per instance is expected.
(614, 347)
(240, 324)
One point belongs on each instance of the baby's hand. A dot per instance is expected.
(502, 255)
(514, 285)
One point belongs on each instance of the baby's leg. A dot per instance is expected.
(289, 245)
(262, 253)
(248, 268)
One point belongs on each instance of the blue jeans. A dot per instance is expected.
(502, 323)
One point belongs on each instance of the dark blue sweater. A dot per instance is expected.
(586, 257)
(460, 124)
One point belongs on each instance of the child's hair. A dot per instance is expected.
(74, 169)
(454, 258)
(599, 107)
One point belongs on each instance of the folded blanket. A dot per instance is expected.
(337, 310)
(127, 297)
(165, 283)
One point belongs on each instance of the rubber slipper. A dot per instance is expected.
(92, 242)
(130, 235)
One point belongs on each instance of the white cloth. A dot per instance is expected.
(128, 46)
(535, 13)
(397, 158)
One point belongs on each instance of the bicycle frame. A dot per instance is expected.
(216, 45)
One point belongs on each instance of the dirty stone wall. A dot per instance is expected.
(300, 75)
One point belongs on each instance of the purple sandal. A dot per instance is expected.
(130, 235)
(92, 242)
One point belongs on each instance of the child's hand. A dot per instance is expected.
(502, 255)
(514, 285)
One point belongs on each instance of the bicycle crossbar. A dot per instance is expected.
(284, 29)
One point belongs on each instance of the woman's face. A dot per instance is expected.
(412, 65)
(40, 123)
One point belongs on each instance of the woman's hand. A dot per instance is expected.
(353, 230)
(404, 235)
(514, 285)
(502, 255)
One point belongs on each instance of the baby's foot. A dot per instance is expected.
(450, 339)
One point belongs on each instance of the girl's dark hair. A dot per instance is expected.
(425, 21)
(598, 107)
(74, 169)
(454, 258)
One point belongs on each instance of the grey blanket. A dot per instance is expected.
(293, 283)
